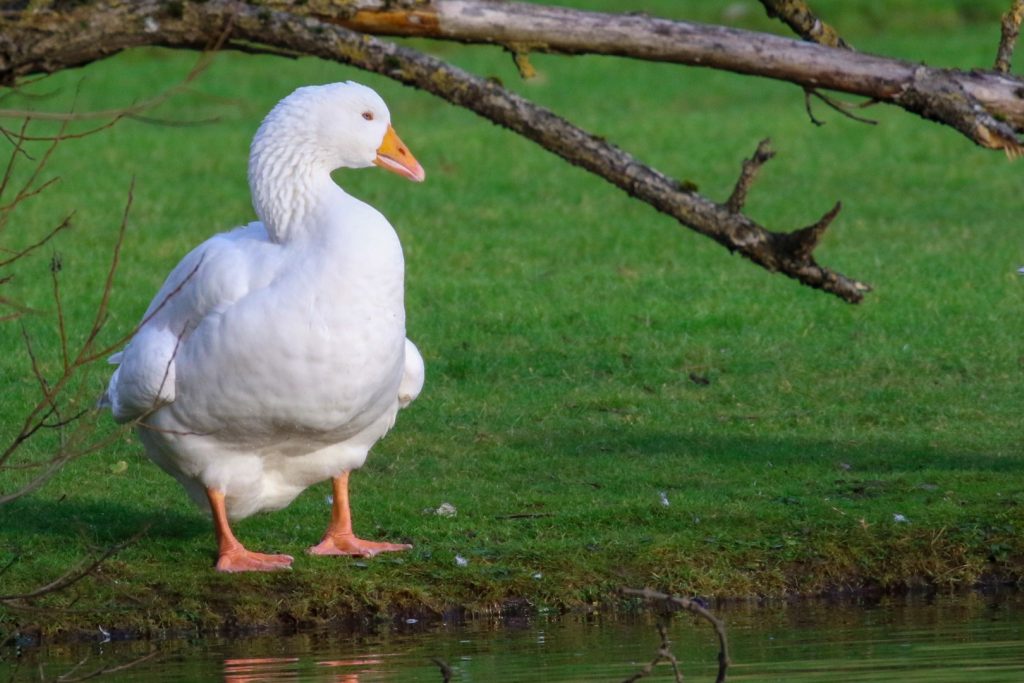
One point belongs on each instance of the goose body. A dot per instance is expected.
(275, 356)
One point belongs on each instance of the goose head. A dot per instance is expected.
(308, 134)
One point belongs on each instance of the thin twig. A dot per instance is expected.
(108, 286)
(37, 372)
(75, 574)
(55, 464)
(13, 159)
(809, 109)
(698, 609)
(63, 225)
(55, 268)
(27, 188)
(111, 348)
(840, 106)
(1009, 29)
(203, 63)
(664, 653)
(29, 193)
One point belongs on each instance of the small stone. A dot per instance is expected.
(446, 510)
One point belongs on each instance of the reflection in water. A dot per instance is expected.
(968, 638)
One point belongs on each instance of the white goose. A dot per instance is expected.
(274, 356)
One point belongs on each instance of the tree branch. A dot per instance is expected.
(986, 107)
(735, 231)
(200, 23)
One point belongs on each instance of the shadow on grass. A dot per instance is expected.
(724, 451)
(100, 521)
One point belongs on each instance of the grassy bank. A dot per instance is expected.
(588, 360)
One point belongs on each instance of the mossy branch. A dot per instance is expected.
(799, 17)
(1009, 30)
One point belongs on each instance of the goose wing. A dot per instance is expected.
(209, 279)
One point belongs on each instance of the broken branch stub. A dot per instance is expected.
(748, 172)
(1009, 30)
(799, 17)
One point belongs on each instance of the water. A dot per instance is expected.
(972, 638)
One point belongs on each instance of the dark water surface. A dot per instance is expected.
(971, 638)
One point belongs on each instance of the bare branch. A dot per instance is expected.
(983, 106)
(699, 610)
(1010, 29)
(799, 17)
(489, 99)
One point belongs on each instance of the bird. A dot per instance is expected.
(275, 354)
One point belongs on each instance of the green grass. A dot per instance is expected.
(562, 325)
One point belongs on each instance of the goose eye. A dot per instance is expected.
(368, 115)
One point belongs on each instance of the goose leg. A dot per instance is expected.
(339, 539)
(232, 555)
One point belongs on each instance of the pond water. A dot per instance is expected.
(969, 638)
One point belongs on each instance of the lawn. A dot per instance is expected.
(611, 399)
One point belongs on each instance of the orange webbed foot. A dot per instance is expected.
(242, 560)
(349, 544)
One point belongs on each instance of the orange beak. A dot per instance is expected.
(395, 157)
